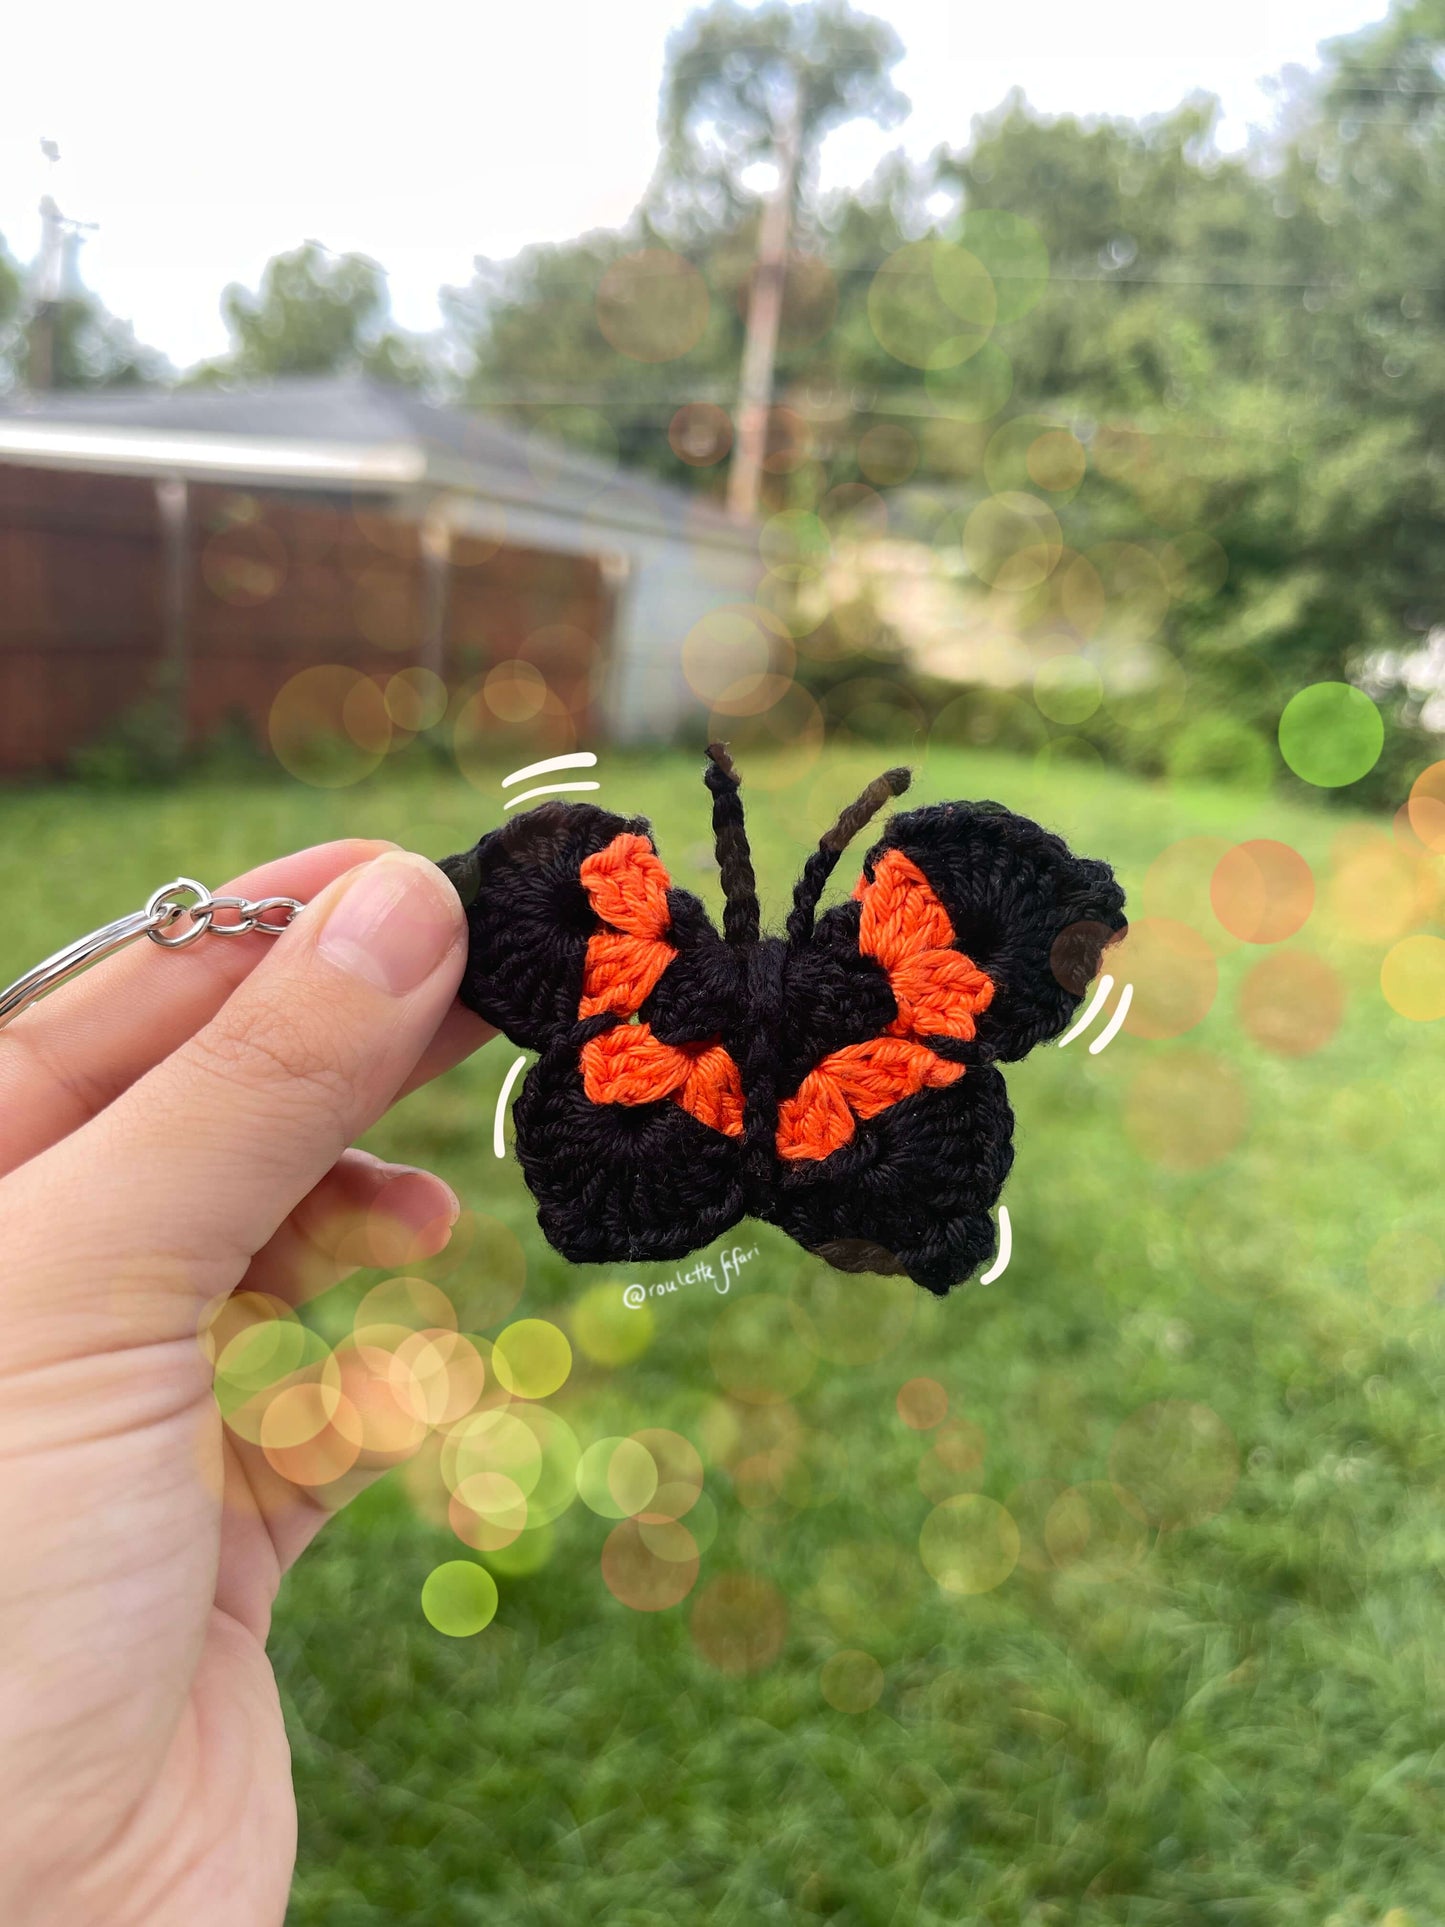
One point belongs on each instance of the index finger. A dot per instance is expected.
(68, 1057)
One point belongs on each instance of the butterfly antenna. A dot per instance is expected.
(742, 919)
(821, 864)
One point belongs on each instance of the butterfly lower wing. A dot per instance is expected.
(617, 1180)
(911, 1189)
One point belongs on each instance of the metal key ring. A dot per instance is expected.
(161, 912)
(199, 912)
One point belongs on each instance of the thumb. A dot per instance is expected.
(189, 1173)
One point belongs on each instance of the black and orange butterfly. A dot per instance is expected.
(839, 1080)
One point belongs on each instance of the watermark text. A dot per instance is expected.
(719, 1269)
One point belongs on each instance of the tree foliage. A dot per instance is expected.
(737, 77)
(1250, 351)
(527, 333)
(89, 346)
(314, 313)
(1247, 353)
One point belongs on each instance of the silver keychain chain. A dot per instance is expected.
(164, 910)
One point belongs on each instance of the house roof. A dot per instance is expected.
(348, 431)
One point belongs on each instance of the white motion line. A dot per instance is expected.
(1105, 985)
(547, 789)
(499, 1122)
(579, 759)
(1108, 1033)
(1005, 1247)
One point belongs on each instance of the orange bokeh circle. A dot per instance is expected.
(1186, 1109)
(1174, 1463)
(922, 1404)
(1176, 886)
(1291, 1003)
(652, 305)
(1374, 887)
(700, 433)
(1174, 974)
(1262, 891)
(739, 1623)
(649, 1575)
(1426, 807)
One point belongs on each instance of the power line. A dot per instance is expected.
(865, 402)
(1107, 278)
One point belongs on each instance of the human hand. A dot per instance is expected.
(170, 1130)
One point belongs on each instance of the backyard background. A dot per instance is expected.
(1098, 473)
(1233, 1718)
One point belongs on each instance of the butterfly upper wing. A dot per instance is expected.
(1024, 908)
(530, 918)
(581, 949)
(975, 932)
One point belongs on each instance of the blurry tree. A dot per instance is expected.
(1156, 246)
(1368, 179)
(1256, 356)
(739, 81)
(527, 332)
(89, 347)
(11, 340)
(315, 313)
(749, 86)
(527, 339)
(1248, 352)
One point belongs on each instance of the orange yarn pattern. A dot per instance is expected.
(627, 886)
(629, 1065)
(938, 992)
(903, 924)
(858, 1081)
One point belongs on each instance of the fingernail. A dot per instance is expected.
(394, 924)
(415, 1194)
(411, 1219)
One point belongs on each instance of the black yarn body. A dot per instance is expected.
(913, 1189)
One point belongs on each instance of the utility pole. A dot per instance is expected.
(55, 232)
(48, 280)
(765, 310)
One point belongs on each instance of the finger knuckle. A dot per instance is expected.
(267, 1048)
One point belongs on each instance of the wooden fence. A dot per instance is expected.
(110, 589)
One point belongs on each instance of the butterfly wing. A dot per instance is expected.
(621, 1181)
(912, 1189)
(529, 916)
(971, 937)
(581, 949)
(1028, 912)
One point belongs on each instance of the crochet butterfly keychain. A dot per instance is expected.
(839, 1081)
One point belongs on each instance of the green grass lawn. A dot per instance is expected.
(1241, 1719)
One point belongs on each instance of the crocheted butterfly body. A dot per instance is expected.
(838, 1081)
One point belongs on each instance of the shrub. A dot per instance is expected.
(1220, 749)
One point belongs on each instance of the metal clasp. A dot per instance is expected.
(165, 909)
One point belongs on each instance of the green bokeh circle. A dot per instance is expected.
(1331, 734)
(459, 1598)
(1067, 689)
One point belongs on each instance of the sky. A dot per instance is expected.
(201, 141)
